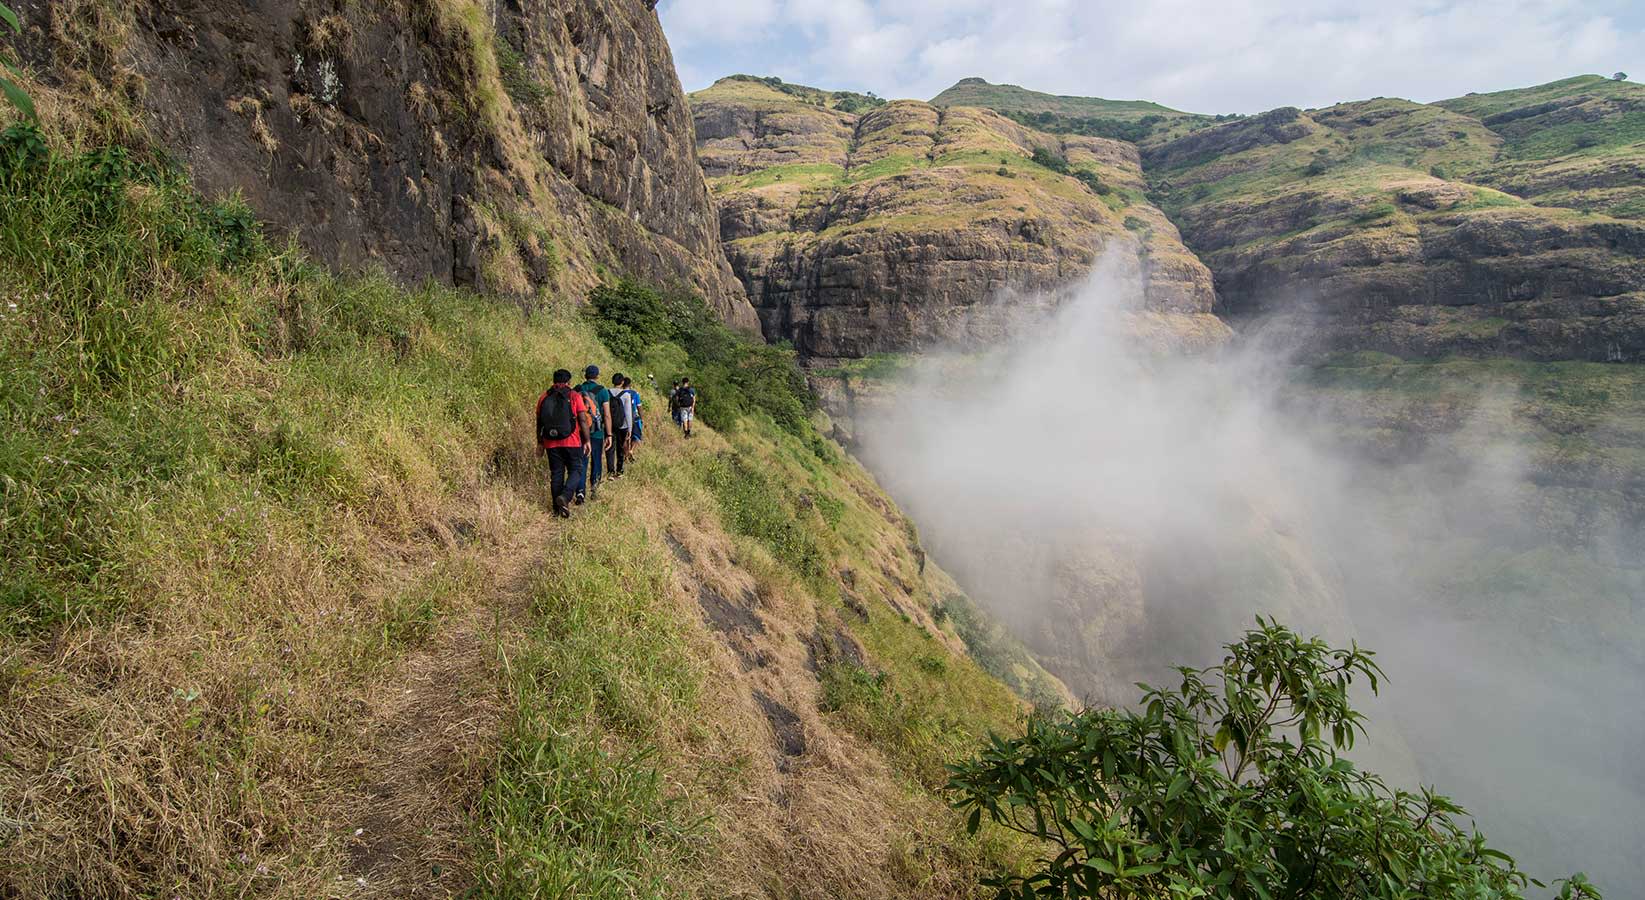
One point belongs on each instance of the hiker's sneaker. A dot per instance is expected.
(580, 498)
(561, 509)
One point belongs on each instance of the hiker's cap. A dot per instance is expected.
(591, 372)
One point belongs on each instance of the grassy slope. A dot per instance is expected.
(976, 92)
(1355, 157)
(1574, 143)
(283, 614)
(1578, 143)
(1059, 113)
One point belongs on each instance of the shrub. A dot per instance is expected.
(1229, 785)
(1050, 160)
(734, 375)
(1090, 180)
(518, 82)
(1091, 126)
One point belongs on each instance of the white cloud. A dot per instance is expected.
(691, 22)
(1203, 55)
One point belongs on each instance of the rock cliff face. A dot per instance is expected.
(860, 227)
(524, 146)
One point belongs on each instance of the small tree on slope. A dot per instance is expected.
(1229, 786)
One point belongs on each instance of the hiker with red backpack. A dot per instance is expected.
(562, 430)
(598, 400)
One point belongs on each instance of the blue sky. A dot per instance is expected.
(1199, 55)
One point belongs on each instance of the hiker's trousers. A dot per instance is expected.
(565, 471)
(617, 456)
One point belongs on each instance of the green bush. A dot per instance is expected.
(1092, 181)
(734, 375)
(1091, 126)
(1050, 160)
(1229, 786)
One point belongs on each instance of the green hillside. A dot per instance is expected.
(1133, 120)
(1003, 97)
(1578, 143)
(283, 611)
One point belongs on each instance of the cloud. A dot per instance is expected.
(1202, 55)
(693, 24)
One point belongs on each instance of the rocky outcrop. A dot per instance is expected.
(1365, 226)
(904, 225)
(526, 147)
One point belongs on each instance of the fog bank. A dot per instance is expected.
(1125, 510)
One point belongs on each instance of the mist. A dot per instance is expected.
(1125, 509)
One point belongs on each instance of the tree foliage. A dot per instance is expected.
(1091, 126)
(1230, 786)
(733, 374)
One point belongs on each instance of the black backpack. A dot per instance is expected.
(683, 399)
(619, 415)
(554, 419)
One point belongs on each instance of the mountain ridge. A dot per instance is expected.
(1383, 224)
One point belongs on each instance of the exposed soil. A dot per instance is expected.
(432, 725)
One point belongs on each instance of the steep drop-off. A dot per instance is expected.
(860, 226)
(519, 147)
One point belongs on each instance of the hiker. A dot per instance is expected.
(562, 428)
(636, 433)
(685, 400)
(599, 403)
(618, 428)
(674, 402)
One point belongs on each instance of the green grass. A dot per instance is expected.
(576, 804)
(809, 174)
(1486, 105)
(1011, 98)
(886, 166)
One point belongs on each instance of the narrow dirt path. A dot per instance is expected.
(434, 725)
